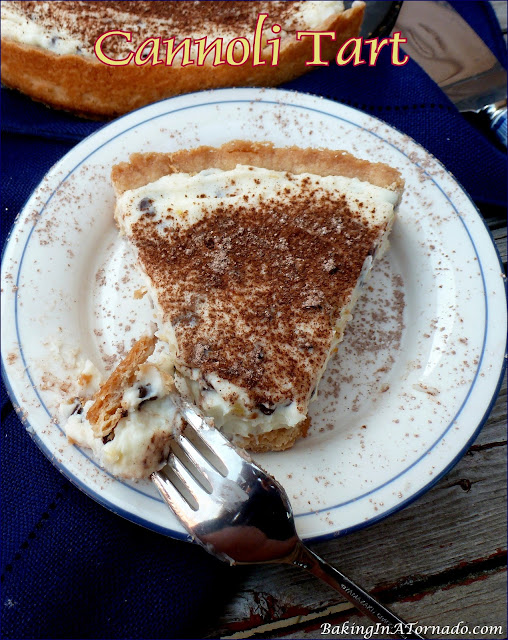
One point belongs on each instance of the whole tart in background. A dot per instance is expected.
(48, 48)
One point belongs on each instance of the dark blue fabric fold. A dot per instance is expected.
(70, 568)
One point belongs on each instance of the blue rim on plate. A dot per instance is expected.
(115, 508)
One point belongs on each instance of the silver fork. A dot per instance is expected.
(241, 515)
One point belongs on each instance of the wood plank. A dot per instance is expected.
(499, 7)
(494, 431)
(472, 603)
(460, 522)
(500, 238)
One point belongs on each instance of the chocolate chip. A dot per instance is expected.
(264, 409)
(210, 243)
(125, 413)
(145, 205)
(108, 437)
(143, 390)
(77, 409)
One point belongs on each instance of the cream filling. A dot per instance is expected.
(179, 201)
(17, 26)
(140, 442)
(233, 419)
(35, 31)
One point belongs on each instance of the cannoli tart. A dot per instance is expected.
(254, 257)
(48, 48)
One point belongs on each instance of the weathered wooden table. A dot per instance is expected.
(441, 561)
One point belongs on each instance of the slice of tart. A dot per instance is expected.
(254, 257)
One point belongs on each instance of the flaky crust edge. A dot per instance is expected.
(144, 168)
(89, 88)
(106, 411)
(276, 440)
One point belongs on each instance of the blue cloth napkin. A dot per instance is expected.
(70, 568)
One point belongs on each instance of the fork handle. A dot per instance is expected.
(307, 559)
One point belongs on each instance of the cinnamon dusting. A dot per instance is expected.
(250, 289)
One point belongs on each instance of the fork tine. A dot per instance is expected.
(190, 482)
(173, 497)
(199, 461)
(218, 444)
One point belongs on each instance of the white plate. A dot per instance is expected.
(414, 379)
